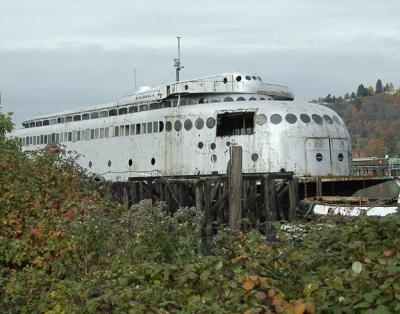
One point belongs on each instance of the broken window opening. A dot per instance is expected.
(235, 123)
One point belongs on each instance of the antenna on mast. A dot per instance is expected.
(177, 61)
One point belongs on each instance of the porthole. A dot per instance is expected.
(161, 126)
(252, 98)
(291, 118)
(109, 163)
(275, 118)
(254, 157)
(254, 78)
(336, 119)
(228, 99)
(130, 162)
(328, 119)
(248, 77)
(305, 118)
(210, 122)
(213, 146)
(317, 118)
(238, 78)
(200, 145)
(153, 161)
(199, 123)
(225, 80)
(240, 99)
(318, 157)
(168, 126)
(188, 124)
(214, 158)
(178, 125)
(259, 78)
(261, 119)
(90, 164)
(228, 143)
(340, 157)
(186, 87)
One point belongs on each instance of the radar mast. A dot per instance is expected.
(177, 61)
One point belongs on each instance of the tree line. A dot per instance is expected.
(361, 91)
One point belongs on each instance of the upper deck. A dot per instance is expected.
(171, 95)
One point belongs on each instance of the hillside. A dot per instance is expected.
(373, 122)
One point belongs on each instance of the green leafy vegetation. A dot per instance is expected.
(65, 247)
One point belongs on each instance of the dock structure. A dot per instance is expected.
(241, 201)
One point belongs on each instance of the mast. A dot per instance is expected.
(177, 61)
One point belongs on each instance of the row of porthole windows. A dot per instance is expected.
(184, 101)
(254, 157)
(188, 125)
(291, 118)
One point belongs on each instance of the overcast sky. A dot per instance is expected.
(57, 55)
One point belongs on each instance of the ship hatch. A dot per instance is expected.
(235, 123)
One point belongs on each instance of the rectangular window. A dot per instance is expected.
(92, 134)
(68, 119)
(45, 139)
(69, 136)
(57, 138)
(39, 123)
(41, 139)
(61, 120)
(126, 130)
(73, 136)
(101, 132)
(149, 127)
(116, 131)
(106, 132)
(138, 128)
(112, 112)
(85, 116)
(133, 109)
(155, 105)
(121, 130)
(34, 140)
(132, 130)
(78, 135)
(235, 123)
(97, 133)
(122, 111)
(45, 122)
(155, 127)
(77, 117)
(53, 137)
(87, 134)
(103, 114)
(143, 128)
(53, 121)
(94, 115)
(144, 107)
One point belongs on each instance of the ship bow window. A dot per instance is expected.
(235, 123)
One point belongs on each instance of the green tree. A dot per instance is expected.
(379, 87)
(347, 96)
(362, 91)
(353, 95)
(6, 127)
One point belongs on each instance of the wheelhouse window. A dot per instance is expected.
(77, 117)
(103, 114)
(235, 123)
(39, 123)
(85, 116)
(155, 105)
(112, 112)
(46, 122)
(68, 119)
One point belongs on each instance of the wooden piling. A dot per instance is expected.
(235, 187)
